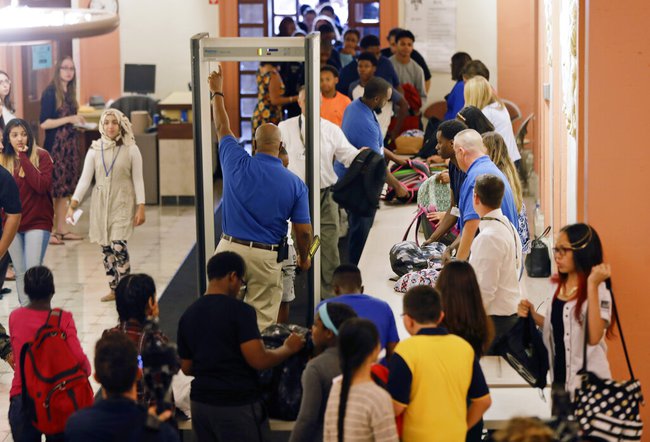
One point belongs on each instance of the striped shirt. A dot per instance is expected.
(369, 414)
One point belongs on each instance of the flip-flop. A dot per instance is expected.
(69, 236)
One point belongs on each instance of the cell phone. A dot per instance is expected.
(314, 247)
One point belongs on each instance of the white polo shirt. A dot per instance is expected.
(333, 145)
(574, 335)
(496, 259)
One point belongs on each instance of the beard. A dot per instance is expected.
(377, 110)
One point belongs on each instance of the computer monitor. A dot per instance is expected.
(140, 78)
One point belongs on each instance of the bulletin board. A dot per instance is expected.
(433, 22)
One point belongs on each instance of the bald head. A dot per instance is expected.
(468, 146)
(268, 139)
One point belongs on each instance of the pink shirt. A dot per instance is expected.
(24, 323)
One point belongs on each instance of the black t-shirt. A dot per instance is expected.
(557, 324)
(9, 196)
(456, 180)
(210, 333)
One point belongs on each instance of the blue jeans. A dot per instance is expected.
(27, 250)
(358, 230)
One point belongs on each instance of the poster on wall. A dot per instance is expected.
(41, 57)
(433, 22)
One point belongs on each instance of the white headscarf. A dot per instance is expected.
(126, 131)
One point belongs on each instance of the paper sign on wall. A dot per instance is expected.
(41, 57)
(214, 2)
(433, 22)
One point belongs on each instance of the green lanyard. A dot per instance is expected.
(509, 226)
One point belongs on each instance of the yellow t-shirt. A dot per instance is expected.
(434, 373)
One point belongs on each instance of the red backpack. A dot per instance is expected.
(54, 383)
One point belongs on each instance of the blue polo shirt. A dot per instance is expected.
(481, 166)
(259, 195)
(350, 74)
(361, 128)
(373, 309)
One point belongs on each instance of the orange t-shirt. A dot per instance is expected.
(332, 108)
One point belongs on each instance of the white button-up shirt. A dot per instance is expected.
(574, 335)
(333, 145)
(496, 259)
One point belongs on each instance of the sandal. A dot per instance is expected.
(68, 236)
(56, 240)
(108, 298)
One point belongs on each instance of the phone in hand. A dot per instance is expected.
(314, 247)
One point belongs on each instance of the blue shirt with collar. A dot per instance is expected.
(482, 166)
(349, 73)
(373, 309)
(259, 195)
(455, 100)
(361, 128)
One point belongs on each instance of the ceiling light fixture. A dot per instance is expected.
(25, 24)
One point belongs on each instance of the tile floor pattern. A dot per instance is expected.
(158, 247)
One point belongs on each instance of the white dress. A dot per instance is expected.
(119, 187)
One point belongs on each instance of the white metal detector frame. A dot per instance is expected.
(206, 50)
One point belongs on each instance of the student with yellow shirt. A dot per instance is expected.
(434, 375)
(333, 103)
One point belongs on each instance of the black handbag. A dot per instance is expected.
(605, 408)
(538, 261)
(523, 348)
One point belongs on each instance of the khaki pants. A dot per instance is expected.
(329, 236)
(263, 280)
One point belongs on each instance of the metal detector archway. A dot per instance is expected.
(205, 50)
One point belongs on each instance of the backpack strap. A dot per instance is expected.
(28, 403)
(54, 318)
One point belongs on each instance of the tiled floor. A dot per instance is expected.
(157, 248)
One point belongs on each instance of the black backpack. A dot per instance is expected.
(525, 351)
(359, 190)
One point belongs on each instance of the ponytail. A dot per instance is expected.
(358, 338)
(348, 372)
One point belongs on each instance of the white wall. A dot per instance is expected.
(159, 31)
(476, 34)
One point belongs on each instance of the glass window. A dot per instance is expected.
(366, 12)
(251, 14)
(287, 7)
(249, 65)
(251, 32)
(369, 30)
(246, 129)
(248, 84)
(276, 23)
(247, 106)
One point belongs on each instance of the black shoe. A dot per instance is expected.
(4, 291)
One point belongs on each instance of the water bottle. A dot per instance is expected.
(539, 219)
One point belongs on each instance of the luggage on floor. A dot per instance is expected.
(538, 260)
(407, 256)
(416, 278)
(411, 176)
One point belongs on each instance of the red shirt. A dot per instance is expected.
(24, 323)
(35, 189)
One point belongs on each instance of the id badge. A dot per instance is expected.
(455, 211)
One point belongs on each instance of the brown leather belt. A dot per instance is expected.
(255, 245)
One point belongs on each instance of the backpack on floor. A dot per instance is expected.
(54, 383)
(411, 176)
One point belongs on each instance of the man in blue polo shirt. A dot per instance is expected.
(348, 288)
(10, 204)
(472, 159)
(362, 129)
(259, 196)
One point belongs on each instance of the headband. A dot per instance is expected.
(326, 320)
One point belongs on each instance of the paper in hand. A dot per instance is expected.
(75, 217)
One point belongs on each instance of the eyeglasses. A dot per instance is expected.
(5, 81)
(67, 68)
(561, 251)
